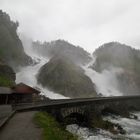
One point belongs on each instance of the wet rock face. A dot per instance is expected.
(63, 76)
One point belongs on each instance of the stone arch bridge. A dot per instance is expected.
(85, 109)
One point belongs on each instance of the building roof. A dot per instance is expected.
(24, 89)
(5, 90)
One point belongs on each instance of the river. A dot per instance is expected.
(132, 127)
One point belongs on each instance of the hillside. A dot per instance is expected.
(61, 47)
(119, 55)
(11, 49)
(62, 76)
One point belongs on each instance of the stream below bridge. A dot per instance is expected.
(132, 127)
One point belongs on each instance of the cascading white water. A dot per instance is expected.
(84, 133)
(28, 74)
(105, 82)
(132, 126)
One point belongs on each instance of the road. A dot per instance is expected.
(21, 127)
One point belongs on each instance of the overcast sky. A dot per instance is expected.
(87, 23)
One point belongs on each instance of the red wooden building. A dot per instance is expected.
(24, 93)
(20, 93)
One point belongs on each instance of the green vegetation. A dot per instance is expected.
(4, 81)
(63, 76)
(7, 75)
(52, 130)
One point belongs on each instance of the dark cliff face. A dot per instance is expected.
(63, 76)
(11, 49)
(61, 47)
(119, 55)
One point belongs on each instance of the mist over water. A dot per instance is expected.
(106, 82)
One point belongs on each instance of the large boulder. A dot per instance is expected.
(63, 76)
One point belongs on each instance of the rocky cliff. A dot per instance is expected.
(11, 49)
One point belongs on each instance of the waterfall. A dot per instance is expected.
(28, 74)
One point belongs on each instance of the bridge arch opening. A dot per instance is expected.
(76, 118)
(108, 111)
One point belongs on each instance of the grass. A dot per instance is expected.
(52, 130)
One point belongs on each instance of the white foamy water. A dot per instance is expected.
(131, 126)
(105, 82)
(84, 133)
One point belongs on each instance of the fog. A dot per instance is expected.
(88, 23)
